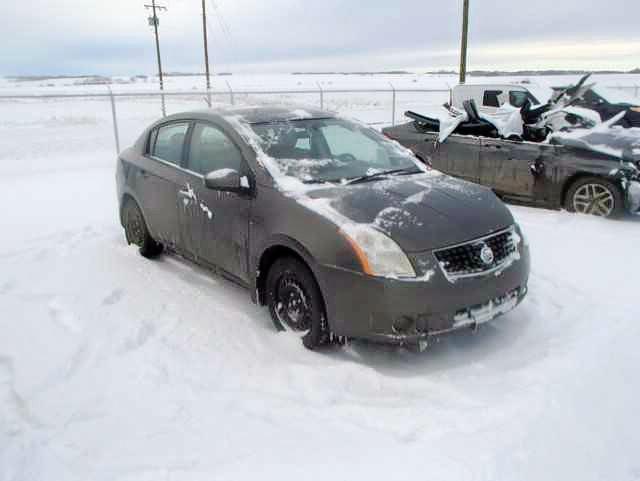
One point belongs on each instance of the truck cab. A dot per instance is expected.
(491, 97)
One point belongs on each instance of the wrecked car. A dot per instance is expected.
(591, 171)
(339, 231)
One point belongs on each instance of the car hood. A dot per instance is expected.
(420, 212)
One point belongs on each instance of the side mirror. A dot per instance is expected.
(226, 180)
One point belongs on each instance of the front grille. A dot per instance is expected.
(467, 260)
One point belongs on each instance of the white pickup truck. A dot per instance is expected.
(490, 97)
(498, 100)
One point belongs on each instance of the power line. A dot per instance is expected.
(224, 26)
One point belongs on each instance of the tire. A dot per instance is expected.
(595, 196)
(295, 302)
(136, 232)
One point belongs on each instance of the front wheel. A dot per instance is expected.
(136, 232)
(295, 302)
(595, 196)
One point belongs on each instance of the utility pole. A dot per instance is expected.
(463, 49)
(206, 43)
(155, 22)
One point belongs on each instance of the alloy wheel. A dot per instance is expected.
(594, 199)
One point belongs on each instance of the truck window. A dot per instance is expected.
(517, 98)
(491, 98)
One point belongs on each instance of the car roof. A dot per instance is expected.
(255, 114)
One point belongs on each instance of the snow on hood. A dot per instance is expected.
(604, 138)
(419, 212)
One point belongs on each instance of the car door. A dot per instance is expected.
(460, 156)
(223, 217)
(514, 168)
(159, 179)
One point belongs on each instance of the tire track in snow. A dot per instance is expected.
(14, 409)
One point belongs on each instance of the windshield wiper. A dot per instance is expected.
(322, 181)
(384, 173)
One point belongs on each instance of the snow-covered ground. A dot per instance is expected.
(113, 367)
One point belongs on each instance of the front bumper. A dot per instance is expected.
(411, 311)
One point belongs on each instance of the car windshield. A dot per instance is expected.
(331, 150)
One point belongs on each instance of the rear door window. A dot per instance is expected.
(169, 142)
(491, 98)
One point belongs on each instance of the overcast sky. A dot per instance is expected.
(113, 37)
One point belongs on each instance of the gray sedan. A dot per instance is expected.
(341, 232)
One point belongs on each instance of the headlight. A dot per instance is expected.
(379, 255)
(521, 235)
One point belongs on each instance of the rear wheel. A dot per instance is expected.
(136, 232)
(595, 196)
(295, 302)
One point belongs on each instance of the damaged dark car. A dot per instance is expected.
(341, 232)
(586, 170)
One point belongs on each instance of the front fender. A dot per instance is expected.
(278, 241)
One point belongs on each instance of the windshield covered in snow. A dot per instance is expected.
(330, 150)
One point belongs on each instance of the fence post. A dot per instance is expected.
(393, 106)
(321, 95)
(231, 96)
(164, 105)
(114, 117)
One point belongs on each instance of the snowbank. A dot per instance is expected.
(113, 367)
